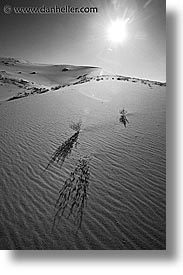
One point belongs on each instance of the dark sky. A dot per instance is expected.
(80, 39)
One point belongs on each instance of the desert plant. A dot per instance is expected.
(76, 126)
(123, 119)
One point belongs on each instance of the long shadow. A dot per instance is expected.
(73, 195)
(64, 150)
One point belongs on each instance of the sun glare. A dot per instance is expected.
(117, 31)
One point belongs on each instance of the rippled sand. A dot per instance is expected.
(127, 192)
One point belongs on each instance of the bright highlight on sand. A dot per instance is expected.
(117, 31)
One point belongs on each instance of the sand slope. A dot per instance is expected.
(21, 78)
(127, 191)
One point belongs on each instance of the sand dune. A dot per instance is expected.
(20, 78)
(126, 205)
(38, 78)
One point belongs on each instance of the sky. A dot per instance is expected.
(81, 39)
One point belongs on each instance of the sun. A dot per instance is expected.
(117, 31)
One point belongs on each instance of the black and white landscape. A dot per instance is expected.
(83, 147)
